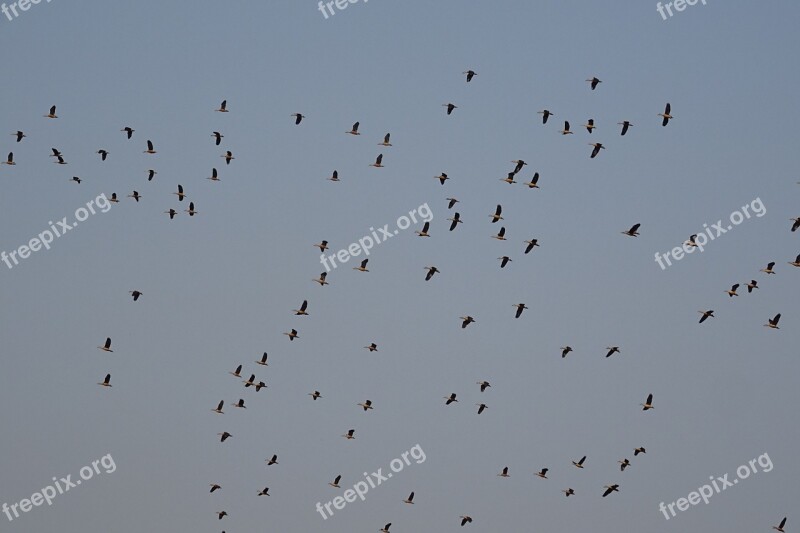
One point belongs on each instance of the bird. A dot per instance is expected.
(410, 499)
(335, 483)
(773, 322)
(321, 279)
(273, 460)
(214, 487)
(612, 350)
(103, 154)
(150, 149)
(113, 198)
(237, 373)
(224, 436)
(566, 131)
(151, 174)
(732, 292)
(519, 164)
(386, 528)
(796, 223)
(666, 114)
(191, 209)
(610, 489)
(565, 350)
(223, 107)
(545, 115)
(752, 285)
(363, 266)
(424, 232)
(218, 410)
(706, 314)
(372, 347)
(520, 307)
(633, 232)
(593, 82)
(59, 161)
(431, 271)
(128, 131)
(314, 395)
(56, 152)
(509, 179)
(451, 202)
(639, 450)
(106, 382)
(533, 184)
(465, 520)
(180, 193)
(470, 74)
(292, 335)
(135, 294)
(260, 385)
(135, 195)
(769, 270)
(10, 160)
(19, 135)
(542, 473)
(496, 216)
(217, 137)
(504, 260)
(221, 514)
(504, 473)
(334, 176)
(481, 407)
(298, 118)
(52, 113)
(378, 162)
(579, 464)
(596, 150)
(467, 320)
(240, 404)
(386, 140)
(249, 382)
(367, 405)
(450, 107)
(625, 125)
(228, 155)
(648, 403)
(302, 311)
(589, 125)
(450, 399)
(441, 177)
(796, 261)
(76, 179)
(501, 235)
(107, 346)
(354, 129)
(455, 220)
(350, 435)
(780, 526)
(568, 492)
(623, 464)
(531, 245)
(171, 213)
(484, 385)
(322, 245)
(264, 492)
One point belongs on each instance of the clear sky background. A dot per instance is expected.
(219, 287)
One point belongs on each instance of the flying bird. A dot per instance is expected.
(593, 82)
(481, 407)
(217, 137)
(223, 107)
(52, 113)
(483, 384)
(378, 162)
(639, 450)
(519, 164)
(772, 323)
(237, 373)
(218, 410)
(135, 294)
(128, 131)
(19, 135)
(769, 270)
(612, 350)
(542, 473)
(224, 436)
(566, 131)
(180, 193)
(135, 195)
(633, 232)
(496, 216)
(504, 473)
(298, 118)
(264, 492)
(292, 335)
(666, 114)
(648, 403)
(386, 140)
(579, 464)
(501, 235)
(107, 346)
(106, 382)
(302, 311)
(151, 174)
(545, 115)
(334, 176)
(796, 262)
(336, 480)
(596, 150)
(623, 464)
(424, 232)
(796, 223)
(214, 487)
(455, 221)
(314, 395)
(706, 314)
(450, 399)
(441, 177)
(372, 347)
(431, 271)
(240, 404)
(610, 489)
(533, 184)
(410, 499)
(150, 149)
(171, 212)
(465, 520)
(589, 125)
(568, 492)
(367, 405)
(509, 179)
(467, 320)
(350, 435)
(322, 245)
(732, 292)
(520, 308)
(363, 266)
(531, 245)
(780, 526)
(354, 129)
(228, 155)
(470, 74)
(625, 125)
(565, 350)
(450, 107)
(9, 160)
(451, 202)
(504, 260)
(192, 212)
(321, 279)
(103, 154)
(752, 285)
(273, 460)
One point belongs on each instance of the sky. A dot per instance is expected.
(218, 288)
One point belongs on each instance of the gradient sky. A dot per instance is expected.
(219, 287)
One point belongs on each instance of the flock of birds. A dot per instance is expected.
(302, 311)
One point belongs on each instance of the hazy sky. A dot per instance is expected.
(219, 288)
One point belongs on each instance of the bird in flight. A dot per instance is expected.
(706, 314)
(106, 382)
(298, 118)
(450, 108)
(107, 346)
(593, 82)
(666, 114)
(610, 489)
(128, 131)
(648, 403)
(470, 74)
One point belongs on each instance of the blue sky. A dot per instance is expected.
(218, 288)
